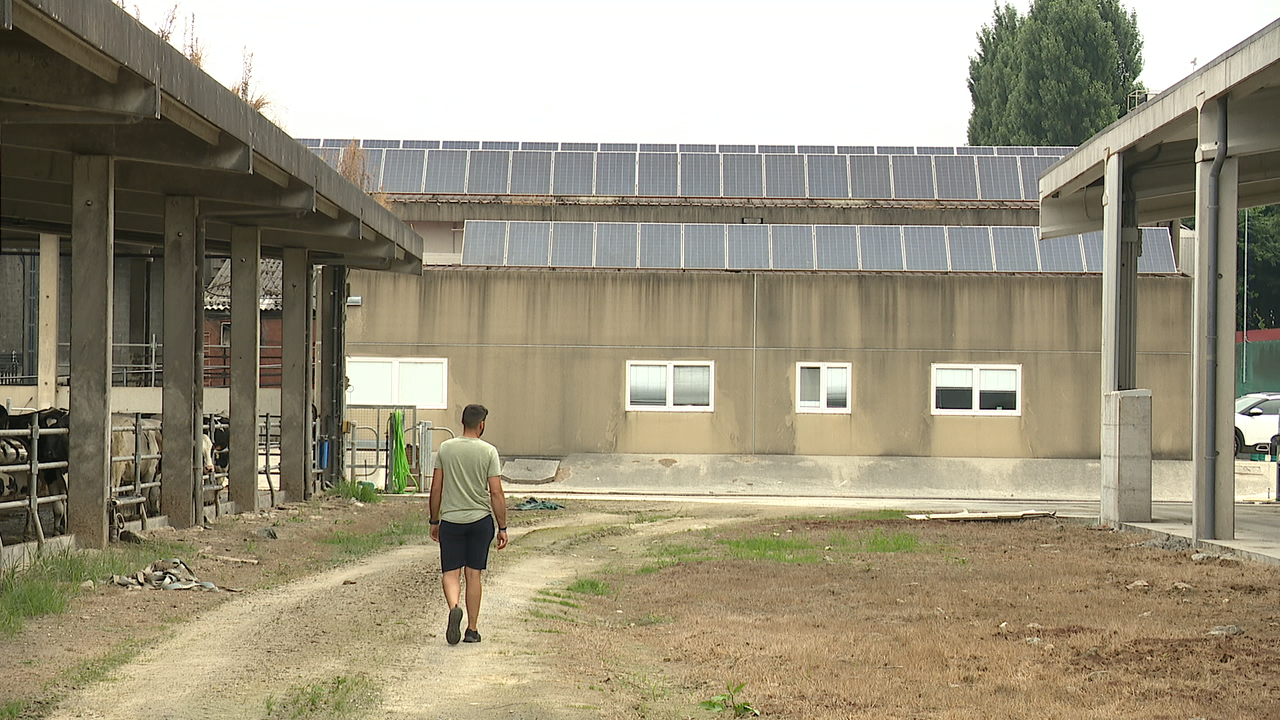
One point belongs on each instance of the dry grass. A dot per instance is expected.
(1028, 619)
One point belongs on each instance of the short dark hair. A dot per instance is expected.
(473, 415)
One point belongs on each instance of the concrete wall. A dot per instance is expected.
(546, 351)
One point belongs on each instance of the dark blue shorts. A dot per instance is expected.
(466, 545)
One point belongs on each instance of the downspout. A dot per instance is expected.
(1211, 353)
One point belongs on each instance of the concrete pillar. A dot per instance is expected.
(332, 363)
(47, 344)
(1213, 442)
(1126, 457)
(92, 251)
(183, 362)
(295, 388)
(246, 294)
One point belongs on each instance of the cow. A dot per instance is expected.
(127, 436)
(218, 427)
(50, 448)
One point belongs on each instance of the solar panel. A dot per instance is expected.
(869, 177)
(1015, 150)
(530, 173)
(659, 176)
(572, 244)
(925, 247)
(913, 177)
(956, 177)
(836, 247)
(1032, 169)
(373, 167)
(881, 247)
(856, 150)
(309, 142)
(616, 244)
(337, 143)
(1061, 254)
(380, 144)
(743, 176)
(975, 150)
(446, 171)
(1056, 152)
(1157, 252)
(572, 173)
(529, 243)
(699, 175)
(998, 178)
(895, 150)
(748, 246)
(580, 147)
(499, 145)
(1015, 249)
(970, 249)
(420, 144)
(484, 242)
(487, 171)
(697, 148)
(615, 173)
(934, 150)
(828, 176)
(540, 146)
(1092, 251)
(784, 176)
(737, 148)
(704, 247)
(658, 147)
(766, 149)
(660, 246)
(792, 246)
(815, 149)
(329, 155)
(402, 171)
(460, 145)
(619, 147)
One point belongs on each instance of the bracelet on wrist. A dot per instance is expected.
(502, 529)
(434, 522)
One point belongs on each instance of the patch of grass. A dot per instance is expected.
(777, 549)
(12, 709)
(648, 516)
(536, 613)
(589, 586)
(395, 533)
(555, 601)
(654, 619)
(884, 514)
(339, 697)
(98, 669)
(876, 541)
(362, 491)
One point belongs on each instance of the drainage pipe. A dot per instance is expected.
(1211, 353)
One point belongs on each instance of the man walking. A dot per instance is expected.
(466, 500)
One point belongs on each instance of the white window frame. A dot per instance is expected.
(821, 408)
(976, 368)
(670, 366)
(397, 396)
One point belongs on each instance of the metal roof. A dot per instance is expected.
(83, 77)
(1161, 139)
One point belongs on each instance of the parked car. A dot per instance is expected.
(1257, 421)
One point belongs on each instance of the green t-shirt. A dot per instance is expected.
(468, 463)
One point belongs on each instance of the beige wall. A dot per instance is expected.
(546, 351)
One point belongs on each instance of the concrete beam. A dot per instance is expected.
(1213, 348)
(39, 82)
(151, 141)
(295, 390)
(183, 362)
(246, 294)
(89, 461)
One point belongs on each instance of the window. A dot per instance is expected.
(823, 387)
(977, 389)
(671, 386)
(416, 382)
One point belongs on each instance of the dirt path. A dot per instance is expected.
(381, 617)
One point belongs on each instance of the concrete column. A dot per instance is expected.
(92, 252)
(246, 294)
(1126, 457)
(332, 374)
(1213, 351)
(183, 362)
(1112, 198)
(295, 389)
(47, 353)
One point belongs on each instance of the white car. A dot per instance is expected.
(1257, 421)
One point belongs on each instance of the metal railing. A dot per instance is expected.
(32, 467)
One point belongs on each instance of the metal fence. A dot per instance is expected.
(368, 445)
(22, 447)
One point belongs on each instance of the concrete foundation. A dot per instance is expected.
(1126, 457)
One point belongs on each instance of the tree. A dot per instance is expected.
(1054, 77)
(1263, 296)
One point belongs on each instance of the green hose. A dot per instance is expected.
(399, 460)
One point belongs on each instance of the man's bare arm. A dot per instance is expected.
(498, 499)
(437, 490)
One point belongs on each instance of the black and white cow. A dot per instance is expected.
(50, 448)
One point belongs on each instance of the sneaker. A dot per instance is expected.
(453, 634)
(471, 636)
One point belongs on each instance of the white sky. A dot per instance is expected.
(848, 72)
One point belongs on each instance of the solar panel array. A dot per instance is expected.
(700, 170)
(494, 243)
